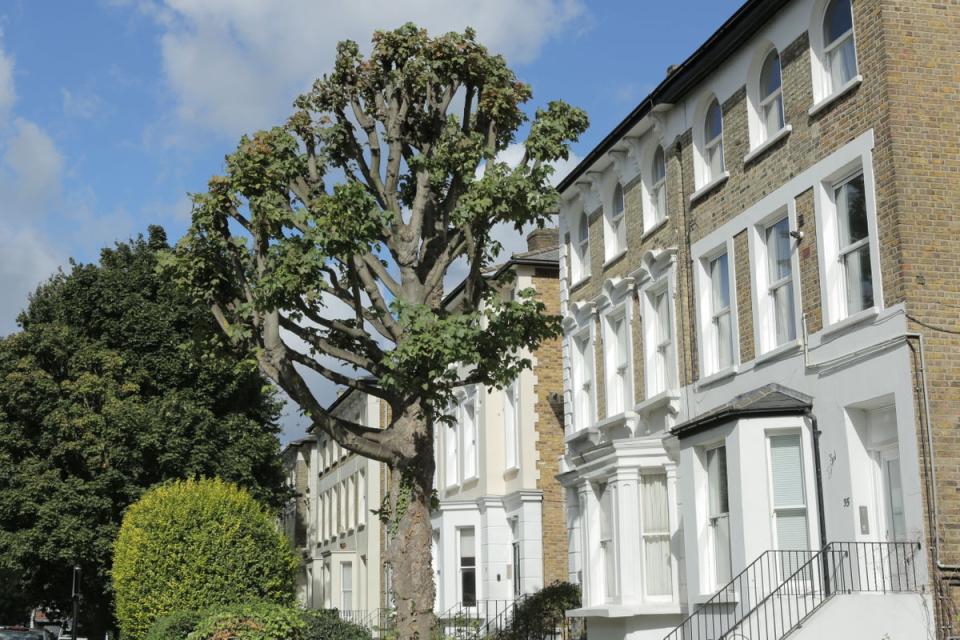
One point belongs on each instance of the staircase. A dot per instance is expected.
(779, 590)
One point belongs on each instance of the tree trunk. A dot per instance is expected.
(409, 531)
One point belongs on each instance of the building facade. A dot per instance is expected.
(498, 530)
(759, 299)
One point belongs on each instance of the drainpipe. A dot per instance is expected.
(821, 514)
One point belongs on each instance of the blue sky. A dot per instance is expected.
(112, 110)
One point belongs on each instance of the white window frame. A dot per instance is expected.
(654, 211)
(607, 540)
(584, 378)
(451, 450)
(708, 334)
(470, 428)
(618, 381)
(579, 248)
(346, 569)
(615, 227)
(361, 499)
(648, 535)
(775, 509)
(764, 290)
(511, 426)
(715, 579)
(823, 87)
(760, 135)
(832, 273)
(660, 353)
(461, 567)
(704, 175)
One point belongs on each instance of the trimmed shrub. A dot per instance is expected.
(174, 626)
(195, 544)
(542, 613)
(256, 621)
(327, 625)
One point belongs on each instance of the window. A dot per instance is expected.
(770, 107)
(713, 142)
(721, 318)
(606, 542)
(517, 582)
(788, 499)
(854, 250)
(351, 503)
(658, 186)
(468, 428)
(618, 227)
(718, 514)
(780, 281)
(468, 566)
(362, 498)
(616, 361)
(659, 343)
(451, 458)
(346, 586)
(511, 426)
(839, 51)
(580, 260)
(583, 411)
(655, 534)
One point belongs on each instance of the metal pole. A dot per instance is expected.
(76, 601)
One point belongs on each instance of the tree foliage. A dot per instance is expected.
(325, 244)
(113, 384)
(196, 544)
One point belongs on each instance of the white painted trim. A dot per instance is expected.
(783, 349)
(703, 294)
(764, 314)
(851, 84)
(861, 317)
(769, 142)
(710, 186)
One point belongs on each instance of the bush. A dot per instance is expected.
(257, 621)
(174, 626)
(327, 625)
(195, 544)
(540, 614)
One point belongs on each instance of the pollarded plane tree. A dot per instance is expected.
(385, 176)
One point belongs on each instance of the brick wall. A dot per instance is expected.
(550, 440)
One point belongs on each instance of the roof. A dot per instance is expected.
(711, 54)
(769, 400)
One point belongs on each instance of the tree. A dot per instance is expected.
(113, 385)
(325, 244)
(193, 545)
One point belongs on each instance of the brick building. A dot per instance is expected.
(760, 300)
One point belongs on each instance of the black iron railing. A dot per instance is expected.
(755, 607)
(463, 622)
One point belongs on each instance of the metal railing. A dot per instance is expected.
(377, 621)
(465, 622)
(773, 609)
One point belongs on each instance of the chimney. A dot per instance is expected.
(542, 239)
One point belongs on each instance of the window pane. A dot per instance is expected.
(468, 555)
(778, 250)
(715, 160)
(583, 230)
(770, 75)
(713, 126)
(773, 116)
(660, 202)
(724, 341)
(617, 202)
(859, 279)
(721, 549)
(469, 441)
(654, 503)
(721, 283)
(784, 314)
(659, 166)
(786, 471)
(468, 587)
(837, 21)
(717, 480)
(792, 530)
(663, 318)
(842, 63)
(657, 562)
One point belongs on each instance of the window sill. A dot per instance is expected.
(851, 84)
(766, 144)
(654, 228)
(729, 597)
(614, 258)
(626, 610)
(867, 315)
(589, 433)
(717, 377)
(710, 186)
(511, 472)
(662, 399)
(581, 281)
(776, 352)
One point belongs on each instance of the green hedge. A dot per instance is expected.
(327, 625)
(174, 626)
(541, 613)
(259, 621)
(195, 544)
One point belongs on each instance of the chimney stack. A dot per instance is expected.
(542, 239)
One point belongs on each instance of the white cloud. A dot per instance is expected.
(26, 259)
(7, 93)
(235, 65)
(30, 170)
(83, 105)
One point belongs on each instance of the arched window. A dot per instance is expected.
(580, 263)
(839, 51)
(770, 107)
(713, 142)
(658, 186)
(618, 226)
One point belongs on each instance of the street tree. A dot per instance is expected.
(112, 385)
(325, 245)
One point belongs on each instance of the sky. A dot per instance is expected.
(112, 111)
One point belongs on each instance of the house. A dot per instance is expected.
(759, 299)
(499, 528)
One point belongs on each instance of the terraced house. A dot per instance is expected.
(760, 334)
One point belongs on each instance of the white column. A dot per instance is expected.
(626, 533)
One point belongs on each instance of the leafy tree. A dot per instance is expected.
(383, 177)
(196, 544)
(111, 386)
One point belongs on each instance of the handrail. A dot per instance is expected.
(751, 585)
